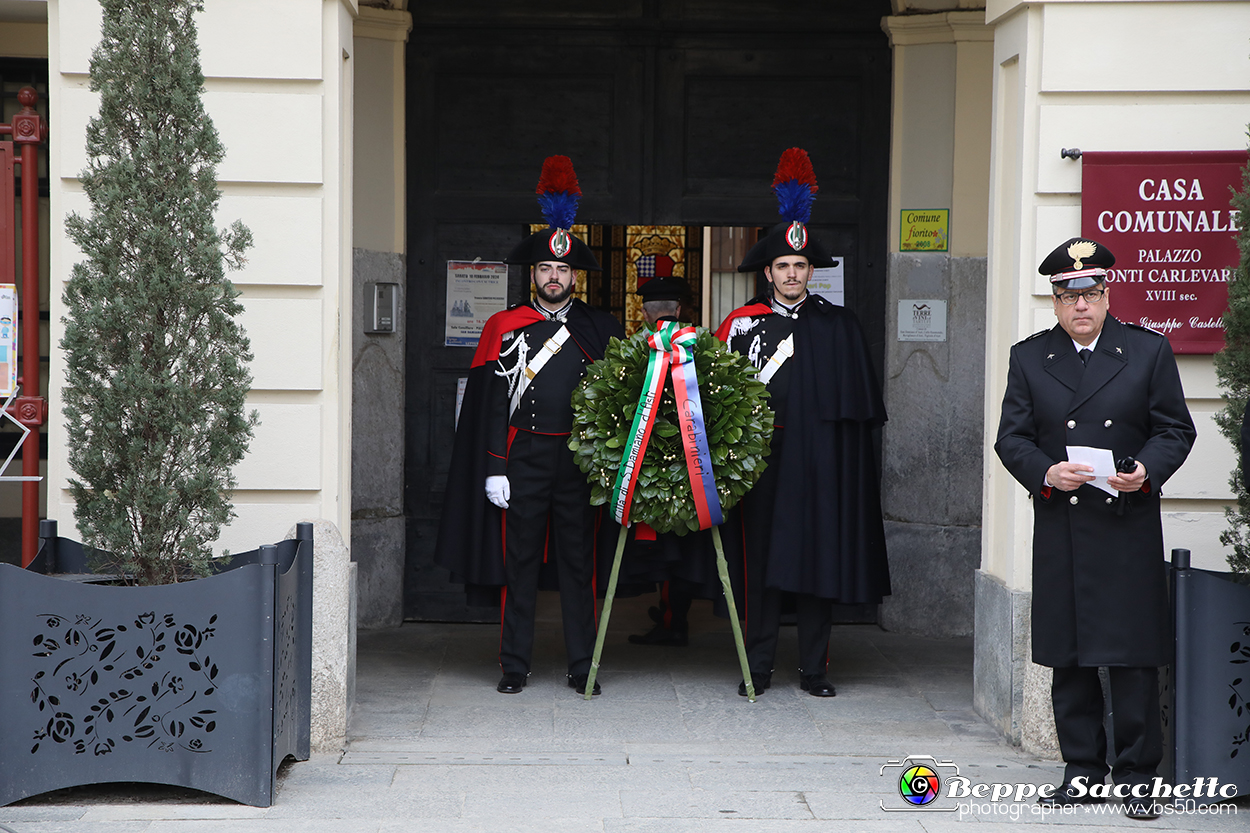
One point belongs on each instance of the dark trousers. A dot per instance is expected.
(547, 485)
(763, 604)
(1136, 729)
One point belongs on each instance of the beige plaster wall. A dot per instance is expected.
(378, 224)
(280, 92)
(24, 40)
(1106, 76)
(940, 123)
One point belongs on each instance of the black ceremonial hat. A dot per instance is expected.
(558, 195)
(664, 289)
(1077, 263)
(794, 183)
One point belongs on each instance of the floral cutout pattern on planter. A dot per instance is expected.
(1238, 700)
(147, 681)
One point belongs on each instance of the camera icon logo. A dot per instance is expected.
(919, 783)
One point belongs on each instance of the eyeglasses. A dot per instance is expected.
(1091, 296)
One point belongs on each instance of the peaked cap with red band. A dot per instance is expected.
(558, 195)
(1077, 263)
(794, 183)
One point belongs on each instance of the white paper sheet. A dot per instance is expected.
(1100, 459)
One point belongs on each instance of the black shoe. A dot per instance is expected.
(578, 682)
(1142, 809)
(511, 683)
(817, 686)
(1066, 796)
(656, 614)
(660, 635)
(762, 682)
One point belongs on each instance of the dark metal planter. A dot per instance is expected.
(203, 684)
(1207, 693)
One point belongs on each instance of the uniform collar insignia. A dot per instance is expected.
(788, 311)
(1118, 350)
(560, 315)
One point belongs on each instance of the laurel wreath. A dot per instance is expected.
(736, 414)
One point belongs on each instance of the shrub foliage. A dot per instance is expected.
(1232, 367)
(156, 362)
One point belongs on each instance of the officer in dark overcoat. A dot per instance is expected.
(1099, 581)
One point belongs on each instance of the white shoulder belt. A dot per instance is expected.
(784, 351)
(550, 347)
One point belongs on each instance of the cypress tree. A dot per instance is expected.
(1232, 367)
(156, 376)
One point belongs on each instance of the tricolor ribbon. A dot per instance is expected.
(671, 346)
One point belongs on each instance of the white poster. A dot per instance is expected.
(8, 340)
(476, 290)
(828, 282)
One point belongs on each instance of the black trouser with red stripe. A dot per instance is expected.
(763, 604)
(546, 483)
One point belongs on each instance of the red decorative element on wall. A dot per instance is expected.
(1166, 216)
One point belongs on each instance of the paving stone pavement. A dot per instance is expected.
(668, 748)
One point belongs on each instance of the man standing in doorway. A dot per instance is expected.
(515, 497)
(812, 524)
(1099, 581)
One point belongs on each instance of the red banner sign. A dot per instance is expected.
(1166, 217)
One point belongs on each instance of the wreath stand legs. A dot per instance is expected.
(722, 569)
(607, 612)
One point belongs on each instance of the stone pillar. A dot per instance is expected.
(334, 637)
(378, 535)
(935, 389)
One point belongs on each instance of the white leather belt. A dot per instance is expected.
(784, 351)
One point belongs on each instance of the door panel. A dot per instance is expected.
(672, 112)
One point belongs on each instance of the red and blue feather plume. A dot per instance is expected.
(795, 185)
(558, 192)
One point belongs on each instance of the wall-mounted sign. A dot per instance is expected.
(1166, 218)
(829, 282)
(476, 290)
(922, 320)
(924, 230)
(8, 340)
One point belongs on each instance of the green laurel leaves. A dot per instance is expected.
(735, 410)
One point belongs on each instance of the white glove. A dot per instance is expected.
(498, 491)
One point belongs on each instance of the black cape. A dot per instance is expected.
(470, 534)
(828, 537)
